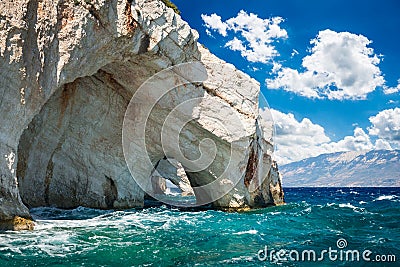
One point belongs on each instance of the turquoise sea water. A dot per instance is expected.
(313, 219)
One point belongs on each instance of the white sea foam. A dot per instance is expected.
(347, 205)
(341, 191)
(169, 192)
(308, 209)
(389, 197)
(354, 208)
(275, 212)
(57, 237)
(250, 232)
(237, 260)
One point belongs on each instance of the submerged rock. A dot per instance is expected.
(68, 72)
(16, 224)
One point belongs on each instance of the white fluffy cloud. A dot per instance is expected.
(340, 66)
(358, 142)
(256, 34)
(291, 131)
(296, 140)
(391, 90)
(214, 22)
(382, 144)
(386, 125)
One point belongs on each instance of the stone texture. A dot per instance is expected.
(173, 171)
(68, 71)
(16, 224)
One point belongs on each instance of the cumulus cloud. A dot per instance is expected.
(256, 35)
(296, 140)
(386, 125)
(214, 22)
(340, 66)
(358, 142)
(292, 131)
(382, 144)
(276, 67)
(391, 90)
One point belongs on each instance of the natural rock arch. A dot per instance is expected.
(68, 72)
(169, 169)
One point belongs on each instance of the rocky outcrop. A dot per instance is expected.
(16, 223)
(68, 72)
(172, 170)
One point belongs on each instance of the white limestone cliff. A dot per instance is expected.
(68, 70)
(172, 170)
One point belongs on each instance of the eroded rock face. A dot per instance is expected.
(68, 72)
(173, 171)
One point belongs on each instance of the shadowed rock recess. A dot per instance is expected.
(68, 72)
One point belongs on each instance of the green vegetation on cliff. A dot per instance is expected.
(168, 3)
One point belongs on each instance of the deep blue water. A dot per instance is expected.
(313, 219)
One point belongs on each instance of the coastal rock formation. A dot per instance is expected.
(172, 170)
(68, 72)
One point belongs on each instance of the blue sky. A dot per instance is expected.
(338, 93)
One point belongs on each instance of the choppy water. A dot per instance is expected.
(313, 219)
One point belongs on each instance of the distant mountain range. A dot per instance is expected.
(342, 169)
